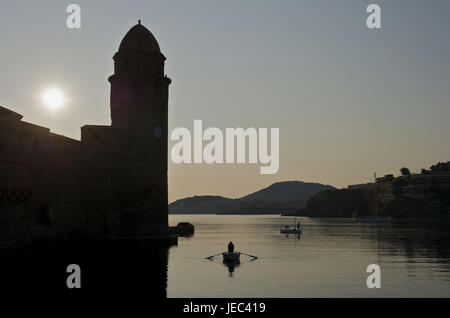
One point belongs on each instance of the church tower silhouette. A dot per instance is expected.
(139, 89)
(136, 142)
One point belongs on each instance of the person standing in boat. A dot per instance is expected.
(230, 247)
(298, 225)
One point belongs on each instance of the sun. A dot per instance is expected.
(53, 98)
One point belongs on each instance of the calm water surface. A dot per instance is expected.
(328, 260)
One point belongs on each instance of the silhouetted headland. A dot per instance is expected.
(288, 196)
(424, 195)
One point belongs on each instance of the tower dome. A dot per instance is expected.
(139, 38)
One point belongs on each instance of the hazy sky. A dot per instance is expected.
(349, 101)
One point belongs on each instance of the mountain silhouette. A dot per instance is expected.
(280, 197)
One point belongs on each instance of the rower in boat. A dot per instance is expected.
(230, 247)
(231, 256)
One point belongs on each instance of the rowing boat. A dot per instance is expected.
(290, 231)
(231, 257)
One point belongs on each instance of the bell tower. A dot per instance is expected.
(139, 115)
(139, 89)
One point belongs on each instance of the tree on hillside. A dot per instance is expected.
(405, 171)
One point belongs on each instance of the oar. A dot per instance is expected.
(255, 257)
(209, 257)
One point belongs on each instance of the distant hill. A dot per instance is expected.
(202, 205)
(288, 190)
(280, 197)
(342, 203)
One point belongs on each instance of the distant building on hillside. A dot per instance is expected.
(415, 186)
(359, 186)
